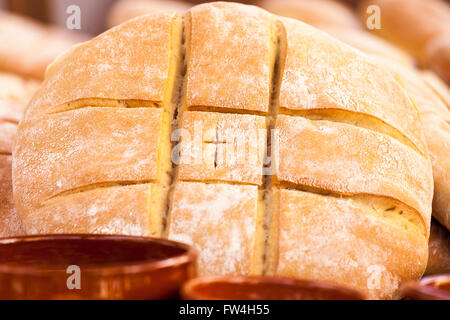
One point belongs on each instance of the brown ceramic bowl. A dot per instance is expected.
(111, 267)
(264, 288)
(430, 288)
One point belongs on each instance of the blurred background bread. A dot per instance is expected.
(28, 47)
(14, 95)
(414, 33)
(421, 27)
(340, 21)
(439, 250)
(314, 12)
(124, 10)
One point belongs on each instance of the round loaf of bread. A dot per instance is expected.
(265, 143)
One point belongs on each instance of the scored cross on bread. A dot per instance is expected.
(332, 181)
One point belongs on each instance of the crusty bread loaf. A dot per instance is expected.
(314, 12)
(420, 27)
(439, 250)
(292, 153)
(28, 47)
(124, 10)
(14, 95)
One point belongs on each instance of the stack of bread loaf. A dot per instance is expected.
(268, 145)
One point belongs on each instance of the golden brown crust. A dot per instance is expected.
(234, 64)
(10, 224)
(314, 12)
(349, 160)
(222, 147)
(370, 44)
(235, 72)
(439, 250)
(125, 10)
(28, 47)
(321, 73)
(351, 246)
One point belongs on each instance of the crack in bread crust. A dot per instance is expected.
(358, 119)
(99, 102)
(225, 110)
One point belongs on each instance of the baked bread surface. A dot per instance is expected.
(332, 180)
(124, 10)
(435, 119)
(439, 250)
(27, 47)
(314, 12)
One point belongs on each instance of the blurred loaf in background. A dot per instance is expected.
(27, 47)
(340, 21)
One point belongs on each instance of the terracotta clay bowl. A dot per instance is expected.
(95, 267)
(429, 288)
(264, 288)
